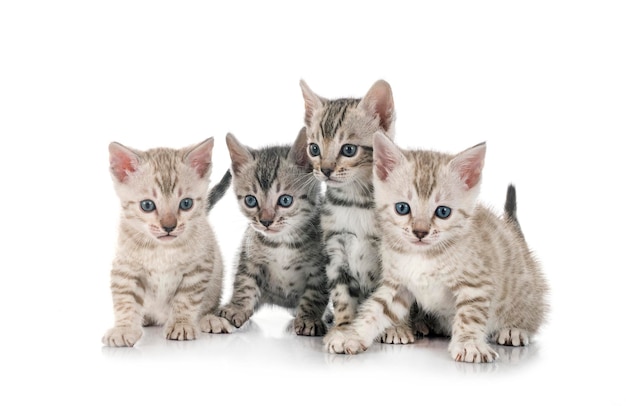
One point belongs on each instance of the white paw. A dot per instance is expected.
(397, 335)
(341, 340)
(472, 351)
(513, 336)
(181, 330)
(215, 324)
(122, 336)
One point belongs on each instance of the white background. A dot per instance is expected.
(542, 82)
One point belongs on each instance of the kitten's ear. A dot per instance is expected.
(312, 102)
(123, 161)
(387, 155)
(469, 164)
(239, 153)
(298, 153)
(379, 102)
(199, 157)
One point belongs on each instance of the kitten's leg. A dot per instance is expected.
(388, 305)
(186, 305)
(344, 288)
(246, 294)
(312, 305)
(128, 293)
(469, 337)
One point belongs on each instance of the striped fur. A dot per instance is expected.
(168, 267)
(471, 271)
(348, 216)
(281, 259)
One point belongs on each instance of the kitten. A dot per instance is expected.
(470, 269)
(339, 136)
(281, 259)
(168, 266)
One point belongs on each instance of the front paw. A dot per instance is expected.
(236, 315)
(309, 327)
(512, 336)
(125, 336)
(343, 340)
(397, 335)
(211, 323)
(472, 351)
(181, 330)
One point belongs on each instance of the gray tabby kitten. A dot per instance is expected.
(339, 136)
(281, 259)
(168, 266)
(470, 269)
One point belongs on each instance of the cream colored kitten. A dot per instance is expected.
(469, 269)
(168, 266)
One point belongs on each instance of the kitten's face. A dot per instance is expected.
(162, 191)
(339, 133)
(274, 187)
(425, 199)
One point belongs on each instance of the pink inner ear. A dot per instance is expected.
(469, 165)
(122, 163)
(386, 156)
(200, 157)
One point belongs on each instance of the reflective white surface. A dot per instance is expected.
(541, 81)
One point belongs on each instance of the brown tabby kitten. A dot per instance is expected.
(471, 270)
(168, 266)
(339, 136)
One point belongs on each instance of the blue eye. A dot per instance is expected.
(285, 200)
(314, 149)
(147, 205)
(443, 212)
(403, 208)
(348, 150)
(250, 201)
(186, 204)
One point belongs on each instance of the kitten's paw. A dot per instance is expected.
(235, 315)
(342, 340)
(472, 351)
(421, 329)
(122, 336)
(181, 330)
(397, 335)
(211, 323)
(309, 327)
(513, 336)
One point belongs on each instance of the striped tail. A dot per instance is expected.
(218, 191)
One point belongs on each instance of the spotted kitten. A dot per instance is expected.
(339, 137)
(168, 266)
(281, 259)
(470, 269)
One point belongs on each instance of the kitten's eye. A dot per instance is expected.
(403, 208)
(186, 204)
(250, 201)
(147, 205)
(443, 212)
(348, 150)
(314, 149)
(285, 200)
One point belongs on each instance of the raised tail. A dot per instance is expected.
(218, 191)
(510, 207)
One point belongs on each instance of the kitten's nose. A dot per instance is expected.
(266, 223)
(420, 233)
(168, 229)
(327, 172)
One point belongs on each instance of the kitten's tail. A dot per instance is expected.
(510, 207)
(218, 191)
